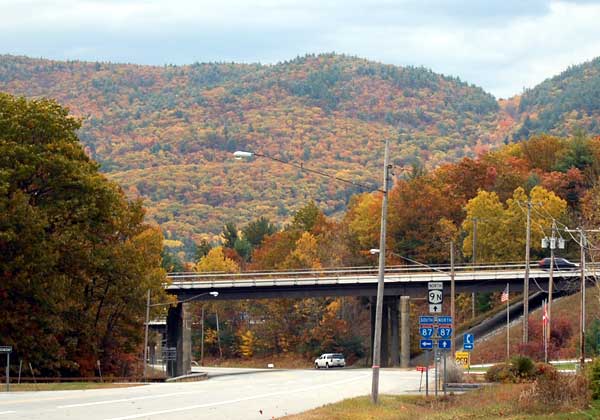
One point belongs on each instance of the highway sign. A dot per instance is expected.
(435, 285)
(426, 332)
(5, 349)
(435, 309)
(444, 344)
(446, 320)
(426, 344)
(429, 320)
(435, 296)
(462, 359)
(443, 332)
(468, 341)
(421, 368)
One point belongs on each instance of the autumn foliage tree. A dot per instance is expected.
(76, 257)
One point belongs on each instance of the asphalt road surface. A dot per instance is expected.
(228, 394)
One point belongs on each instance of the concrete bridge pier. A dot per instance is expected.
(390, 345)
(405, 327)
(179, 335)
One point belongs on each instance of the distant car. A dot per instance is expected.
(559, 264)
(329, 360)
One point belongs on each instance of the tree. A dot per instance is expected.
(256, 231)
(229, 235)
(76, 258)
(502, 231)
(215, 260)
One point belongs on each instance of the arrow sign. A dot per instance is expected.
(426, 344)
(444, 344)
(435, 309)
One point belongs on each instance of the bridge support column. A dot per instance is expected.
(385, 333)
(373, 302)
(179, 335)
(394, 318)
(405, 328)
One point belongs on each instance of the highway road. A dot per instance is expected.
(228, 394)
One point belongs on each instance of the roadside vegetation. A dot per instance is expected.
(525, 391)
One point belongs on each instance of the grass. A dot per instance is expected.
(499, 401)
(65, 386)
(493, 349)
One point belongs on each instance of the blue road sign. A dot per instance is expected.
(426, 320)
(443, 332)
(426, 344)
(468, 341)
(444, 320)
(444, 344)
(426, 332)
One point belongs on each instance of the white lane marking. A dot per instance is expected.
(146, 397)
(7, 412)
(253, 397)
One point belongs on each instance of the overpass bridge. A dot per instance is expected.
(401, 284)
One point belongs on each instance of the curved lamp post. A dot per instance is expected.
(239, 155)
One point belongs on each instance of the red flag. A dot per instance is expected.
(504, 296)
(545, 316)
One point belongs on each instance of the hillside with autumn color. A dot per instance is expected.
(167, 133)
(562, 104)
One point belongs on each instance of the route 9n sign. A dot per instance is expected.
(435, 297)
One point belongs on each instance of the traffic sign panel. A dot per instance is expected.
(426, 344)
(435, 296)
(443, 332)
(469, 339)
(444, 319)
(435, 309)
(444, 344)
(426, 319)
(462, 358)
(435, 285)
(468, 346)
(426, 332)
(5, 349)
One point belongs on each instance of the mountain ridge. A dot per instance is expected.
(167, 133)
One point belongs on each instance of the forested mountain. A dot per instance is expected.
(167, 133)
(563, 104)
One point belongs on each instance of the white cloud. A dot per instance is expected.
(500, 45)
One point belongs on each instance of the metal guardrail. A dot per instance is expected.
(356, 275)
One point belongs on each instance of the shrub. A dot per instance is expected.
(593, 375)
(543, 369)
(554, 391)
(501, 372)
(522, 367)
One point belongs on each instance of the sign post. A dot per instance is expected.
(7, 350)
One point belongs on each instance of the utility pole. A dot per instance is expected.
(582, 267)
(551, 281)
(380, 280)
(474, 254)
(526, 279)
(582, 316)
(452, 293)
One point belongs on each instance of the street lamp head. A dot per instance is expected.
(239, 155)
(374, 251)
(214, 294)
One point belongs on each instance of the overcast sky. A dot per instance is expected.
(502, 46)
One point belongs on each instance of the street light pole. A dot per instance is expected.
(146, 337)
(149, 305)
(380, 281)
